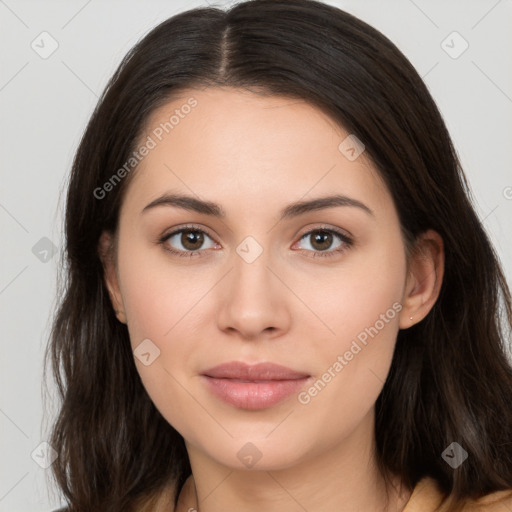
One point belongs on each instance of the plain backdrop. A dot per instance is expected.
(46, 102)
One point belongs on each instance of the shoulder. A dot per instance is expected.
(495, 502)
(428, 497)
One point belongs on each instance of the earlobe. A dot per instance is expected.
(106, 252)
(424, 279)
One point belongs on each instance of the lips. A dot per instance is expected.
(257, 372)
(258, 386)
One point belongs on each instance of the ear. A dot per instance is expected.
(106, 252)
(424, 279)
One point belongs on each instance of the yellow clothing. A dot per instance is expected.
(427, 495)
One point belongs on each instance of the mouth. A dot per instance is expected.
(253, 387)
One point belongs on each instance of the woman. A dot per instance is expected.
(278, 295)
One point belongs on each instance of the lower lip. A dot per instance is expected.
(254, 395)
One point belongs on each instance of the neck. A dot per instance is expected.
(342, 478)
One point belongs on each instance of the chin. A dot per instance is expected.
(248, 453)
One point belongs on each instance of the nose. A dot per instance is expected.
(253, 302)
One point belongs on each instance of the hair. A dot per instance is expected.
(450, 379)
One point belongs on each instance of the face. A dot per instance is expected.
(317, 291)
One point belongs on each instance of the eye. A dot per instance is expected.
(190, 238)
(322, 240)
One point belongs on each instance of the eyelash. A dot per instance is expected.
(347, 242)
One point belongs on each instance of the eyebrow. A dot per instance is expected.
(194, 204)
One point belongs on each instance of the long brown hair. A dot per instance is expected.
(450, 380)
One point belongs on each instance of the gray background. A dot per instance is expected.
(45, 104)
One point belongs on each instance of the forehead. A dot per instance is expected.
(232, 145)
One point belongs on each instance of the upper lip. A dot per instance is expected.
(260, 371)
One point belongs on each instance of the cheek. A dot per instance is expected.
(160, 302)
(360, 304)
(163, 304)
(353, 297)
(157, 296)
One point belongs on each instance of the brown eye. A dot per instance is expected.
(187, 241)
(322, 240)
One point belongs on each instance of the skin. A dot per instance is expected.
(253, 155)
